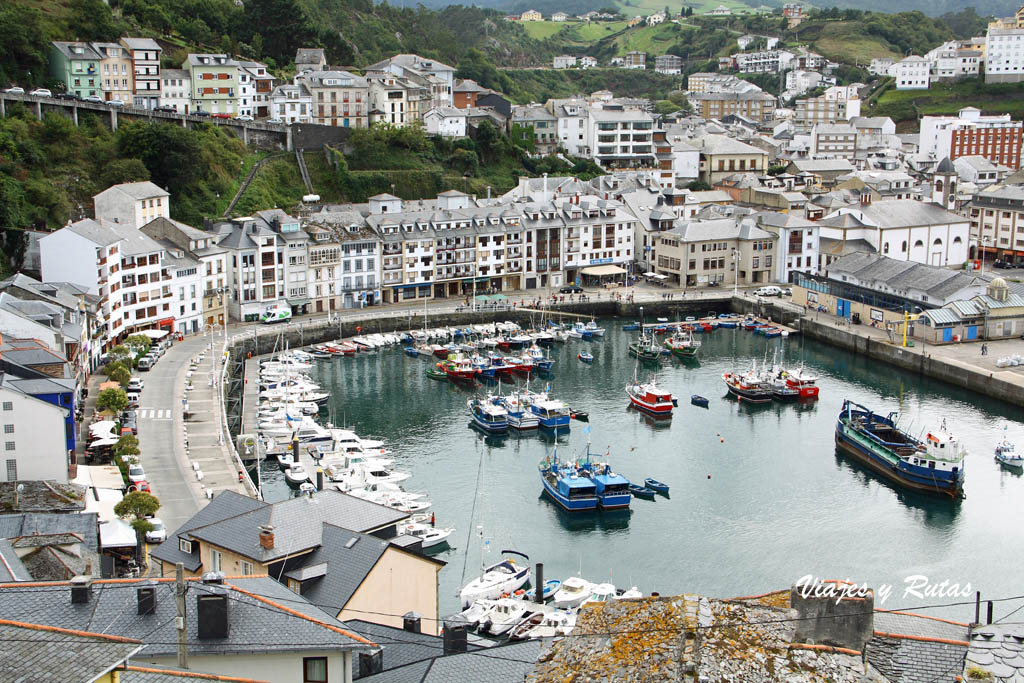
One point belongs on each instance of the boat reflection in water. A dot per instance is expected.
(493, 439)
(653, 421)
(588, 520)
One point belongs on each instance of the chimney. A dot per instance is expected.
(146, 593)
(267, 537)
(411, 622)
(455, 640)
(371, 663)
(212, 607)
(81, 590)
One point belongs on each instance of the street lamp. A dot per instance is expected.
(983, 240)
(736, 255)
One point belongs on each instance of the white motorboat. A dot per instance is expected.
(601, 592)
(278, 409)
(285, 363)
(361, 475)
(285, 460)
(295, 475)
(476, 612)
(294, 384)
(506, 613)
(594, 329)
(287, 395)
(347, 441)
(629, 594)
(504, 577)
(545, 624)
(345, 461)
(429, 536)
(572, 592)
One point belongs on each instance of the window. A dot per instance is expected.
(314, 670)
(8, 429)
(185, 546)
(12, 470)
(215, 557)
(8, 405)
(246, 568)
(9, 446)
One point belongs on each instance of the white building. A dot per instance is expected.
(439, 76)
(133, 204)
(447, 122)
(35, 446)
(1004, 60)
(573, 119)
(587, 62)
(291, 104)
(655, 19)
(998, 138)
(176, 89)
(950, 61)
(798, 82)
(911, 73)
(564, 62)
(668, 64)
(620, 137)
(880, 66)
(798, 246)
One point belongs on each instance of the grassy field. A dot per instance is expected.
(541, 30)
(587, 32)
(652, 39)
(632, 8)
(905, 105)
(843, 43)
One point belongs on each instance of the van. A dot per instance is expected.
(145, 363)
(770, 290)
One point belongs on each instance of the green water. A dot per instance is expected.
(759, 495)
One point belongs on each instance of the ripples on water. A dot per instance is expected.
(759, 495)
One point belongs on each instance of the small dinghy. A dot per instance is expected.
(551, 587)
(641, 492)
(699, 401)
(580, 415)
(656, 485)
(585, 357)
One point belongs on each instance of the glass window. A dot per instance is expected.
(215, 558)
(314, 670)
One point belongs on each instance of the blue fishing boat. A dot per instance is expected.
(551, 587)
(487, 415)
(551, 413)
(519, 415)
(699, 401)
(728, 324)
(935, 465)
(585, 357)
(612, 489)
(410, 351)
(641, 492)
(655, 485)
(631, 327)
(563, 485)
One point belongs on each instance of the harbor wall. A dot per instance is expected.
(923, 363)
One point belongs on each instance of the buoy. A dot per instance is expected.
(709, 476)
(720, 440)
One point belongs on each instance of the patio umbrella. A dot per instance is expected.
(499, 297)
(104, 442)
(482, 297)
(102, 426)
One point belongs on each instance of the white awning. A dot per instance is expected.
(154, 334)
(603, 270)
(112, 440)
(117, 534)
(103, 426)
(661, 277)
(650, 273)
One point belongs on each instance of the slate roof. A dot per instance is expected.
(819, 165)
(400, 647)
(140, 190)
(43, 655)
(720, 229)
(935, 281)
(29, 523)
(912, 648)
(150, 674)
(902, 213)
(723, 144)
(141, 44)
(828, 245)
(505, 663)
(309, 55)
(997, 648)
(87, 52)
(227, 504)
(264, 616)
(346, 567)
(11, 568)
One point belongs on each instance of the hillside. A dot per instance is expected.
(905, 106)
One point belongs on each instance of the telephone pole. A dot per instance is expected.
(179, 594)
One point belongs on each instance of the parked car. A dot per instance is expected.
(133, 397)
(15, 90)
(142, 486)
(166, 109)
(129, 425)
(158, 534)
(275, 120)
(221, 116)
(136, 473)
(145, 363)
(788, 291)
(571, 289)
(200, 113)
(67, 96)
(770, 290)
(95, 99)
(136, 383)
(115, 103)
(244, 117)
(41, 92)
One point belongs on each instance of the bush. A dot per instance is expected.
(114, 400)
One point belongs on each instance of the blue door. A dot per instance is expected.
(972, 332)
(843, 308)
(947, 334)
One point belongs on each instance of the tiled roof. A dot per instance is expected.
(149, 674)
(47, 655)
(140, 190)
(506, 663)
(400, 647)
(912, 648)
(11, 568)
(997, 649)
(227, 504)
(260, 610)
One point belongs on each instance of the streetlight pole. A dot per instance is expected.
(736, 269)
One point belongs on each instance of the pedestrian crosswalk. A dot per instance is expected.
(153, 414)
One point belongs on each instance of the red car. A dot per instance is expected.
(221, 116)
(140, 486)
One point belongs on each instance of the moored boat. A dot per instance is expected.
(641, 492)
(434, 372)
(747, 386)
(699, 401)
(504, 577)
(655, 485)
(935, 465)
(645, 348)
(802, 381)
(613, 490)
(585, 357)
(650, 399)
(572, 593)
(565, 485)
(683, 344)
(1007, 455)
(488, 416)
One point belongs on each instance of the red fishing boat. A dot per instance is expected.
(650, 399)
(802, 381)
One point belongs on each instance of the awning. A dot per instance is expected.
(165, 322)
(102, 426)
(661, 277)
(499, 297)
(603, 270)
(117, 533)
(298, 301)
(104, 442)
(483, 297)
(154, 334)
(650, 273)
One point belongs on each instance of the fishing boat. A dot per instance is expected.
(747, 386)
(780, 388)
(504, 577)
(641, 492)
(612, 489)
(585, 357)
(459, 370)
(1007, 455)
(645, 348)
(434, 372)
(650, 399)
(583, 331)
(487, 415)
(934, 465)
(631, 327)
(550, 412)
(536, 356)
(683, 344)
(564, 484)
(519, 414)
(699, 401)
(551, 587)
(655, 485)
(594, 330)
(572, 593)
(802, 381)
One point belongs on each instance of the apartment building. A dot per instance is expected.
(132, 204)
(214, 79)
(763, 61)
(145, 56)
(668, 64)
(721, 156)
(951, 61)
(564, 62)
(1004, 62)
(573, 116)
(344, 261)
(757, 106)
(291, 104)
(437, 77)
(176, 90)
(727, 251)
(255, 85)
(835, 105)
(834, 140)
(997, 223)
(597, 232)
(77, 67)
(533, 120)
(636, 59)
(116, 72)
(34, 435)
(621, 137)
(390, 100)
(997, 138)
(339, 98)
(911, 73)
(704, 82)
(797, 247)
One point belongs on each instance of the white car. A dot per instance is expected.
(41, 92)
(136, 473)
(770, 290)
(15, 90)
(135, 384)
(244, 117)
(158, 534)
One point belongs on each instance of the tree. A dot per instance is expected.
(665, 107)
(93, 20)
(125, 171)
(120, 374)
(128, 444)
(699, 186)
(136, 507)
(139, 341)
(114, 400)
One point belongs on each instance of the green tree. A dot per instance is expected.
(24, 47)
(93, 20)
(125, 171)
(121, 375)
(126, 445)
(665, 107)
(283, 24)
(699, 186)
(137, 507)
(114, 400)
(169, 152)
(257, 45)
(140, 342)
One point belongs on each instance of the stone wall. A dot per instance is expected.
(826, 620)
(313, 136)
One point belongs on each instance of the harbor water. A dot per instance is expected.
(759, 495)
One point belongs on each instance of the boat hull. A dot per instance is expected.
(586, 504)
(614, 501)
